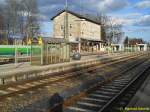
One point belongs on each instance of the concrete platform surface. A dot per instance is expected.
(10, 68)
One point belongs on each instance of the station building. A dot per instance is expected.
(137, 47)
(117, 47)
(142, 47)
(84, 32)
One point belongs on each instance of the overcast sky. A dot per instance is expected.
(134, 15)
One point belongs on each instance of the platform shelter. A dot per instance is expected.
(53, 51)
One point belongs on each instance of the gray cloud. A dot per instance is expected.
(132, 19)
(2, 2)
(51, 7)
(143, 4)
(143, 21)
(112, 5)
(139, 29)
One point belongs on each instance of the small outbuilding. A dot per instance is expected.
(117, 47)
(142, 47)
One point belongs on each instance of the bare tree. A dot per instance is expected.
(21, 17)
(110, 29)
(30, 10)
(113, 31)
(11, 15)
(3, 38)
(117, 34)
(103, 21)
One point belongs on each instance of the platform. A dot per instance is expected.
(9, 68)
(11, 73)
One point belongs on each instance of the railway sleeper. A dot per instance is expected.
(86, 104)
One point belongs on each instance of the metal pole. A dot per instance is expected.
(66, 21)
(79, 45)
(66, 30)
(27, 43)
(15, 53)
(66, 5)
(31, 52)
(113, 38)
(128, 47)
(41, 54)
(27, 46)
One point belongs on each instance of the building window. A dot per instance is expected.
(61, 27)
(70, 26)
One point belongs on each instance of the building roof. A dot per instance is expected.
(85, 16)
(92, 39)
(56, 40)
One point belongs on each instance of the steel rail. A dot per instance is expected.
(110, 102)
(116, 99)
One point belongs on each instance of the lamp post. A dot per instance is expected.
(66, 22)
(66, 30)
(16, 53)
(128, 46)
(136, 46)
(26, 13)
(79, 38)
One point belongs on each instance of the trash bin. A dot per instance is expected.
(76, 56)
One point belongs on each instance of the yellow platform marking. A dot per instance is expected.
(3, 92)
(46, 79)
(37, 83)
(23, 87)
(12, 89)
(52, 79)
(29, 84)
(42, 81)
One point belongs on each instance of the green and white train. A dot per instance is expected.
(9, 50)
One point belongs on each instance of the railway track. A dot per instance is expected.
(9, 60)
(10, 90)
(23, 86)
(5, 60)
(112, 96)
